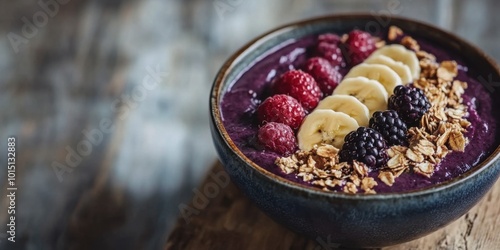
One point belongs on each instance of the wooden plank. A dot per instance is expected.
(231, 221)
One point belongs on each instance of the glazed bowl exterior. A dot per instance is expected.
(350, 220)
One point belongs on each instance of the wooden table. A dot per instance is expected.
(232, 221)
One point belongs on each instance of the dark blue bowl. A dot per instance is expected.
(344, 219)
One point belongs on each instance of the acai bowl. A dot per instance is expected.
(348, 192)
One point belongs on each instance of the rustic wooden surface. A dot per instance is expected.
(231, 221)
(68, 76)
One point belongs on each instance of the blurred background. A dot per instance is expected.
(108, 101)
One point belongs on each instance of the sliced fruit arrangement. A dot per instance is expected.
(381, 73)
(325, 126)
(370, 92)
(399, 53)
(348, 105)
(351, 109)
(371, 82)
(400, 68)
(353, 115)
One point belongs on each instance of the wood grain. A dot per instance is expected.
(231, 221)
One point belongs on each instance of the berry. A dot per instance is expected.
(283, 109)
(325, 75)
(410, 103)
(278, 138)
(392, 128)
(360, 45)
(329, 38)
(365, 145)
(331, 52)
(299, 85)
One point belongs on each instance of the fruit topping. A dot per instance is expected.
(369, 92)
(325, 126)
(381, 73)
(353, 116)
(360, 45)
(329, 38)
(348, 105)
(326, 76)
(392, 128)
(328, 47)
(365, 145)
(399, 53)
(400, 68)
(278, 138)
(410, 103)
(283, 109)
(299, 85)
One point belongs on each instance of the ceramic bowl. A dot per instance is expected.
(339, 219)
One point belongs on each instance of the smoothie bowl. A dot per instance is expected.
(359, 133)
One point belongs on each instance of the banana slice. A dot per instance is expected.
(400, 54)
(348, 105)
(401, 69)
(381, 73)
(325, 126)
(370, 92)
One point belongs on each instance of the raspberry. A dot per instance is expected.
(392, 128)
(278, 138)
(300, 86)
(365, 145)
(283, 109)
(325, 75)
(410, 103)
(329, 38)
(360, 45)
(331, 52)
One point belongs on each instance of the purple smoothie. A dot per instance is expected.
(240, 102)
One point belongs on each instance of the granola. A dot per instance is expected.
(321, 167)
(441, 131)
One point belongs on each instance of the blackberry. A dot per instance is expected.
(410, 103)
(365, 145)
(392, 128)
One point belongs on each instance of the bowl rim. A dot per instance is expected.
(222, 74)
